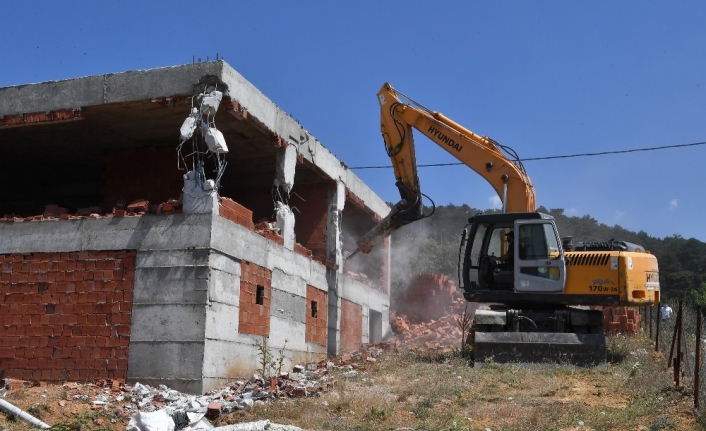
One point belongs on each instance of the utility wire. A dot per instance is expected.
(568, 156)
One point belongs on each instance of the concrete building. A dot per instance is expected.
(119, 260)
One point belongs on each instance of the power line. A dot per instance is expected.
(568, 156)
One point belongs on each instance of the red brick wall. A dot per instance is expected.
(351, 326)
(256, 199)
(235, 212)
(310, 219)
(623, 320)
(316, 326)
(66, 315)
(149, 173)
(254, 318)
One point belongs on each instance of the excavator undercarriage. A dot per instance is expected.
(569, 336)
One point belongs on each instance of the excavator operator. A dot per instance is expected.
(507, 259)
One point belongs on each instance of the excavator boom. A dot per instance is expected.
(482, 154)
(399, 115)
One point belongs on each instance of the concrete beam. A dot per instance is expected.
(148, 232)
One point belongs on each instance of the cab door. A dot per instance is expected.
(539, 259)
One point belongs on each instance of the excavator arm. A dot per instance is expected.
(399, 115)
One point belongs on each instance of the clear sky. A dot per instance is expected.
(546, 78)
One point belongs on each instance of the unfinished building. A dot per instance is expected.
(126, 251)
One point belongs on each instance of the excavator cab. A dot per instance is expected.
(496, 269)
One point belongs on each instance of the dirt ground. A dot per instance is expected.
(413, 391)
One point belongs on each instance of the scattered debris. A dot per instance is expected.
(165, 409)
(134, 209)
(425, 316)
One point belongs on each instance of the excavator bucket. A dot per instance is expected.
(401, 214)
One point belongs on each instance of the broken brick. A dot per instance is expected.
(139, 205)
(214, 410)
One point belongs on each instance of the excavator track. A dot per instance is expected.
(570, 336)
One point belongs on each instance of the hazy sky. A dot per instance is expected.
(546, 78)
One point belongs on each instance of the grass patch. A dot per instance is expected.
(442, 392)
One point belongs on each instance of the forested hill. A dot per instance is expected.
(432, 245)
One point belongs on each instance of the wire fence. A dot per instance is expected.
(680, 339)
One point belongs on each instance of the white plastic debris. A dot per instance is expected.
(195, 416)
(151, 421)
(201, 424)
(214, 139)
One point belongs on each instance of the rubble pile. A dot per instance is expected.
(133, 209)
(164, 409)
(425, 316)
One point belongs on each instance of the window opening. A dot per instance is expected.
(260, 295)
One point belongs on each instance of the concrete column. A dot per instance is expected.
(333, 341)
(285, 222)
(286, 161)
(198, 197)
(337, 201)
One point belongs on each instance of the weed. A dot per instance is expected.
(376, 414)
(662, 422)
(462, 401)
(465, 322)
(10, 417)
(90, 421)
(422, 410)
(270, 366)
(634, 368)
(38, 409)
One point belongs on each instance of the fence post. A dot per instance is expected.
(680, 357)
(650, 307)
(697, 358)
(674, 336)
(657, 333)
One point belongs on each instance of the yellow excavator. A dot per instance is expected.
(539, 291)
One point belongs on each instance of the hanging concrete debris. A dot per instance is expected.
(210, 102)
(214, 139)
(189, 125)
(207, 145)
(286, 165)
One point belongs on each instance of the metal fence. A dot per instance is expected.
(680, 338)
